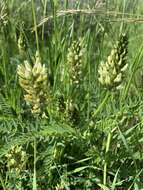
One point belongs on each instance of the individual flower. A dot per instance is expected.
(59, 187)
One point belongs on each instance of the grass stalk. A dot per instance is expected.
(35, 25)
(44, 14)
(135, 65)
(2, 183)
(105, 164)
(35, 159)
(102, 104)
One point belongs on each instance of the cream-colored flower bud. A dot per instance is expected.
(110, 63)
(37, 69)
(118, 78)
(36, 111)
(12, 162)
(29, 89)
(28, 98)
(101, 80)
(114, 71)
(76, 57)
(41, 78)
(18, 149)
(109, 59)
(107, 80)
(124, 68)
(113, 52)
(59, 187)
(21, 71)
(119, 87)
(9, 155)
(17, 170)
(23, 82)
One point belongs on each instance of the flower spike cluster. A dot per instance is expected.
(74, 62)
(21, 44)
(111, 73)
(16, 158)
(34, 81)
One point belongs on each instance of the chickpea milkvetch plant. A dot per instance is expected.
(74, 71)
(112, 72)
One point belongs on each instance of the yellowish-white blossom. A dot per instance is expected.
(111, 73)
(74, 62)
(34, 81)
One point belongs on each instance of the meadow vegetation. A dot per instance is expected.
(71, 88)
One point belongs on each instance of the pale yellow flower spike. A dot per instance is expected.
(34, 81)
(111, 73)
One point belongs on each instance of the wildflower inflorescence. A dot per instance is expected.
(111, 73)
(21, 44)
(74, 62)
(34, 80)
(16, 158)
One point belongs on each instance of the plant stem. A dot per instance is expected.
(135, 65)
(101, 105)
(105, 164)
(35, 25)
(34, 176)
(44, 14)
(2, 182)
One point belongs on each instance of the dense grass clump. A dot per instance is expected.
(71, 97)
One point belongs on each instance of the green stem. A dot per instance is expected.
(100, 107)
(135, 65)
(105, 164)
(35, 25)
(44, 14)
(2, 182)
(34, 176)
